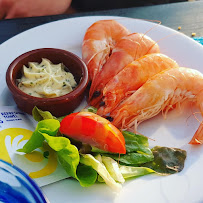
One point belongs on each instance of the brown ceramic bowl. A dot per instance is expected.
(58, 106)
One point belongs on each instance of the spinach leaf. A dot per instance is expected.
(131, 159)
(137, 150)
(136, 142)
(167, 160)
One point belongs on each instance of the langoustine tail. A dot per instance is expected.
(198, 136)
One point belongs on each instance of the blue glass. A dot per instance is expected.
(17, 187)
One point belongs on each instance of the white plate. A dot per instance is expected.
(175, 131)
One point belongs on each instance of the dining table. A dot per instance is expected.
(185, 18)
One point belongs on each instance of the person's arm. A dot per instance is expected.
(30, 8)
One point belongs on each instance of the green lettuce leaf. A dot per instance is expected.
(130, 171)
(113, 168)
(48, 126)
(167, 160)
(39, 115)
(69, 158)
(67, 153)
(97, 165)
(120, 172)
(87, 176)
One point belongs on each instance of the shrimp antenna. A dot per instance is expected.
(167, 36)
(153, 27)
(194, 114)
(130, 18)
(158, 23)
(95, 55)
(154, 21)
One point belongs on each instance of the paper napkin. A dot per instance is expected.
(16, 128)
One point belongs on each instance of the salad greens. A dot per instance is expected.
(137, 150)
(113, 168)
(69, 158)
(88, 164)
(167, 160)
(97, 165)
(39, 115)
(48, 126)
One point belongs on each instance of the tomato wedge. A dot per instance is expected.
(94, 130)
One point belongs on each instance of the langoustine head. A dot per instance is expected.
(100, 38)
(128, 49)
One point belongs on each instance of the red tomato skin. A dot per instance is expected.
(92, 129)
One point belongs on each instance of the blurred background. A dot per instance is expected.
(92, 5)
(29, 8)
